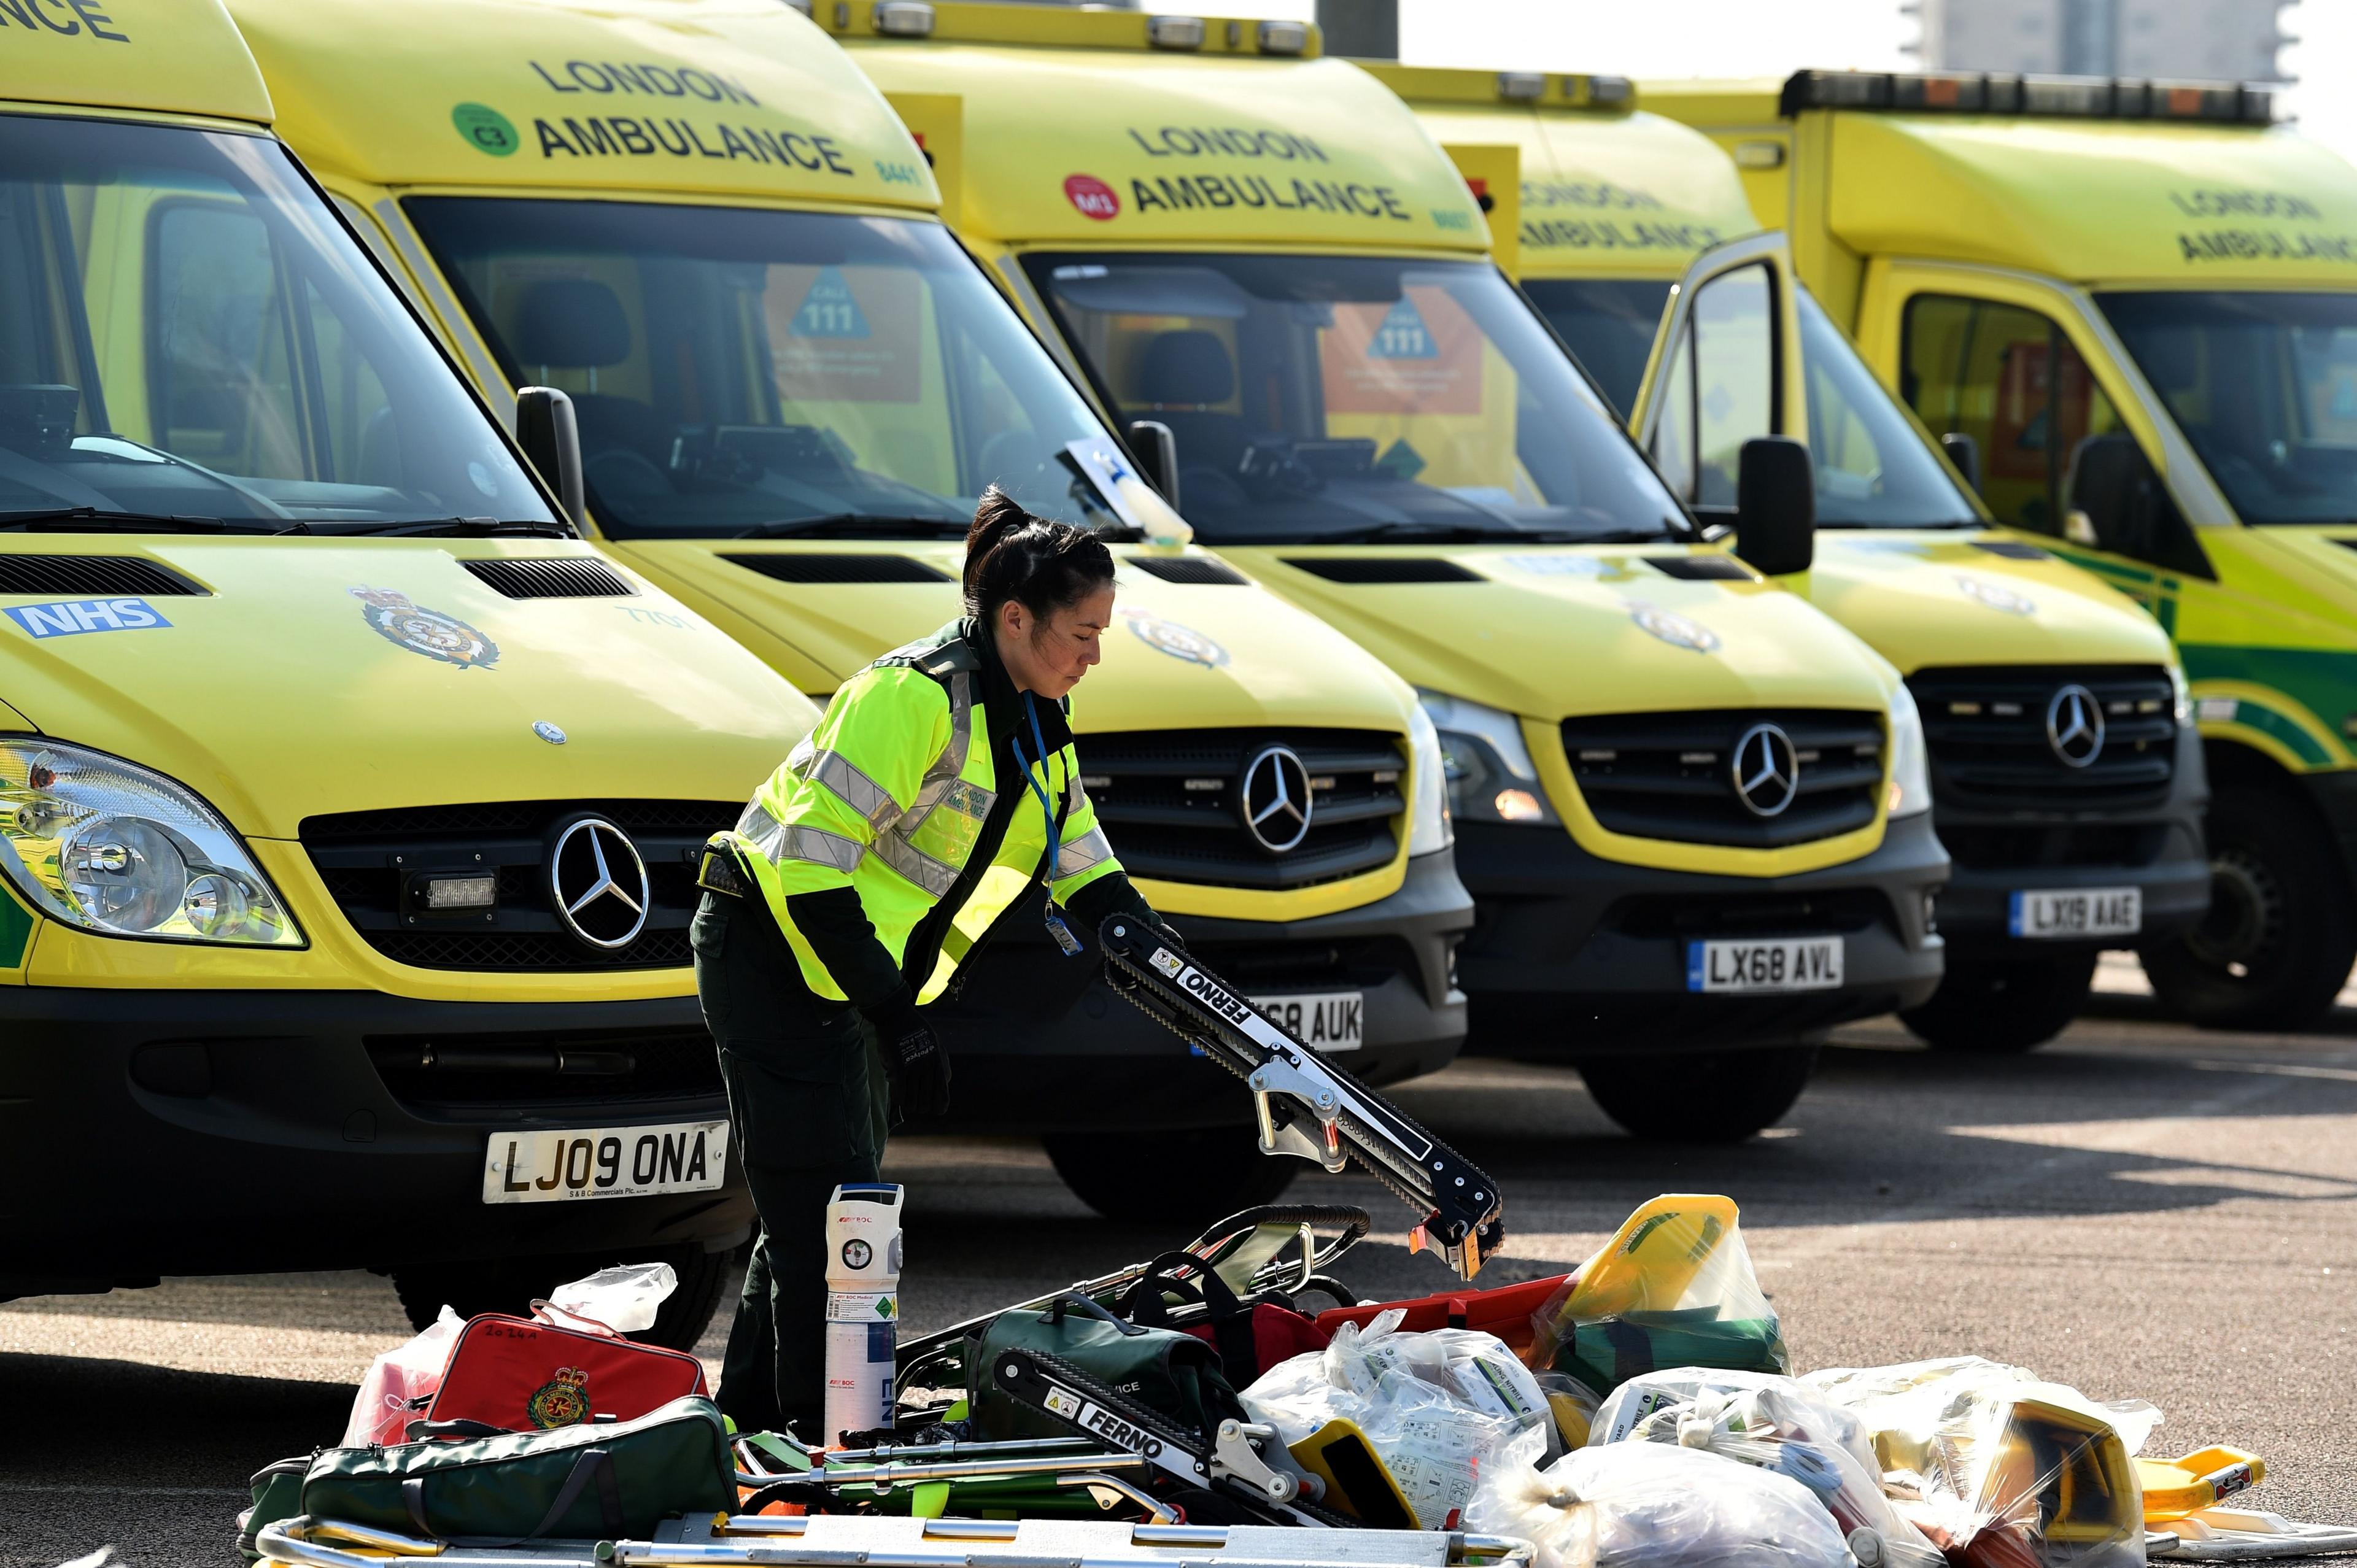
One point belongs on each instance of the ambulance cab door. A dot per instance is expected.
(1725, 369)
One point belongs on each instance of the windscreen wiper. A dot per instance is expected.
(855, 524)
(1448, 533)
(90, 520)
(1307, 1106)
(457, 526)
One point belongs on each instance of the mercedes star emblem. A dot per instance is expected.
(598, 884)
(1766, 770)
(2075, 726)
(1275, 799)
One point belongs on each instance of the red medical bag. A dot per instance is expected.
(1504, 1312)
(518, 1374)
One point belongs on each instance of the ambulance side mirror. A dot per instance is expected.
(2115, 495)
(1965, 454)
(550, 438)
(1157, 447)
(1775, 506)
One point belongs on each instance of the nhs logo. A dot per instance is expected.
(69, 617)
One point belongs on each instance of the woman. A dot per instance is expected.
(853, 888)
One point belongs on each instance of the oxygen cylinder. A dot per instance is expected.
(863, 1307)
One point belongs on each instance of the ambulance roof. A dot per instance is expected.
(2099, 201)
(177, 56)
(2090, 179)
(1078, 128)
(1603, 190)
(740, 98)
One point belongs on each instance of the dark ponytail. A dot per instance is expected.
(1044, 566)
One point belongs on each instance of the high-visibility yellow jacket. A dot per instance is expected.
(893, 796)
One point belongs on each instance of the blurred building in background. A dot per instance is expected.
(2235, 41)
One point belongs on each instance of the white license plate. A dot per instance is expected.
(1781, 963)
(1325, 1020)
(604, 1162)
(2067, 914)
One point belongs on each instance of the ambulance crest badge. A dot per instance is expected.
(420, 630)
(563, 1401)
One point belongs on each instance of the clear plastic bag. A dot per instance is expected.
(624, 1298)
(398, 1383)
(1648, 1505)
(1674, 1287)
(2000, 1469)
(1438, 1408)
(1781, 1424)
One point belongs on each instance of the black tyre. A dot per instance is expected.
(511, 1284)
(1999, 1007)
(1183, 1179)
(2281, 933)
(1700, 1097)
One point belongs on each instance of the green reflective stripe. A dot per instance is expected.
(935, 877)
(15, 931)
(2293, 735)
(837, 774)
(1081, 853)
(819, 848)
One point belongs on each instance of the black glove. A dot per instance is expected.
(916, 1067)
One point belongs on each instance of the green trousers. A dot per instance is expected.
(807, 1110)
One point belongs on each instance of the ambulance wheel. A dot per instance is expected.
(1699, 1097)
(511, 1284)
(1186, 1179)
(2277, 945)
(2000, 1007)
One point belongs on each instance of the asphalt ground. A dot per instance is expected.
(2137, 1210)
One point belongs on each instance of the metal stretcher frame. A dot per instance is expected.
(854, 1542)
(1308, 1106)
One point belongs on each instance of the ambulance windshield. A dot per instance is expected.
(1323, 398)
(2264, 385)
(189, 340)
(748, 372)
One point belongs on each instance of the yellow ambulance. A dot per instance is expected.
(2133, 306)
(698, 218)
(346, 795)
(1691, 808)
(2067, 786)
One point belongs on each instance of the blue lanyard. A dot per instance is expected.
(1047, 812)
(1057, 928)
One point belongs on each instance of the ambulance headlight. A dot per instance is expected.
(2181, 697)
(1429, 829)
(1911, 772)
(1491, 775)
(110, 847)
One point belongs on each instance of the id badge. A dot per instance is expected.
(1062, 932)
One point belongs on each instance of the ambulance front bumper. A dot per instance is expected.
(1575, 956)
(1038, 1043)
(151, 1132)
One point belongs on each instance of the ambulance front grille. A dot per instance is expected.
(1987, 731)
(366, 859)
(1671, 775)
(510, 1072)
(1170, 803)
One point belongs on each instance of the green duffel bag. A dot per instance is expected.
(592, 1481)
(1165, 1371)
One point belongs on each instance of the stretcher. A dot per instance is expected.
(1306, 1105)
(843, 1541)
(1259, 1254)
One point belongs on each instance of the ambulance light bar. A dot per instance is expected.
(2045, 97)
(1053, 27)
